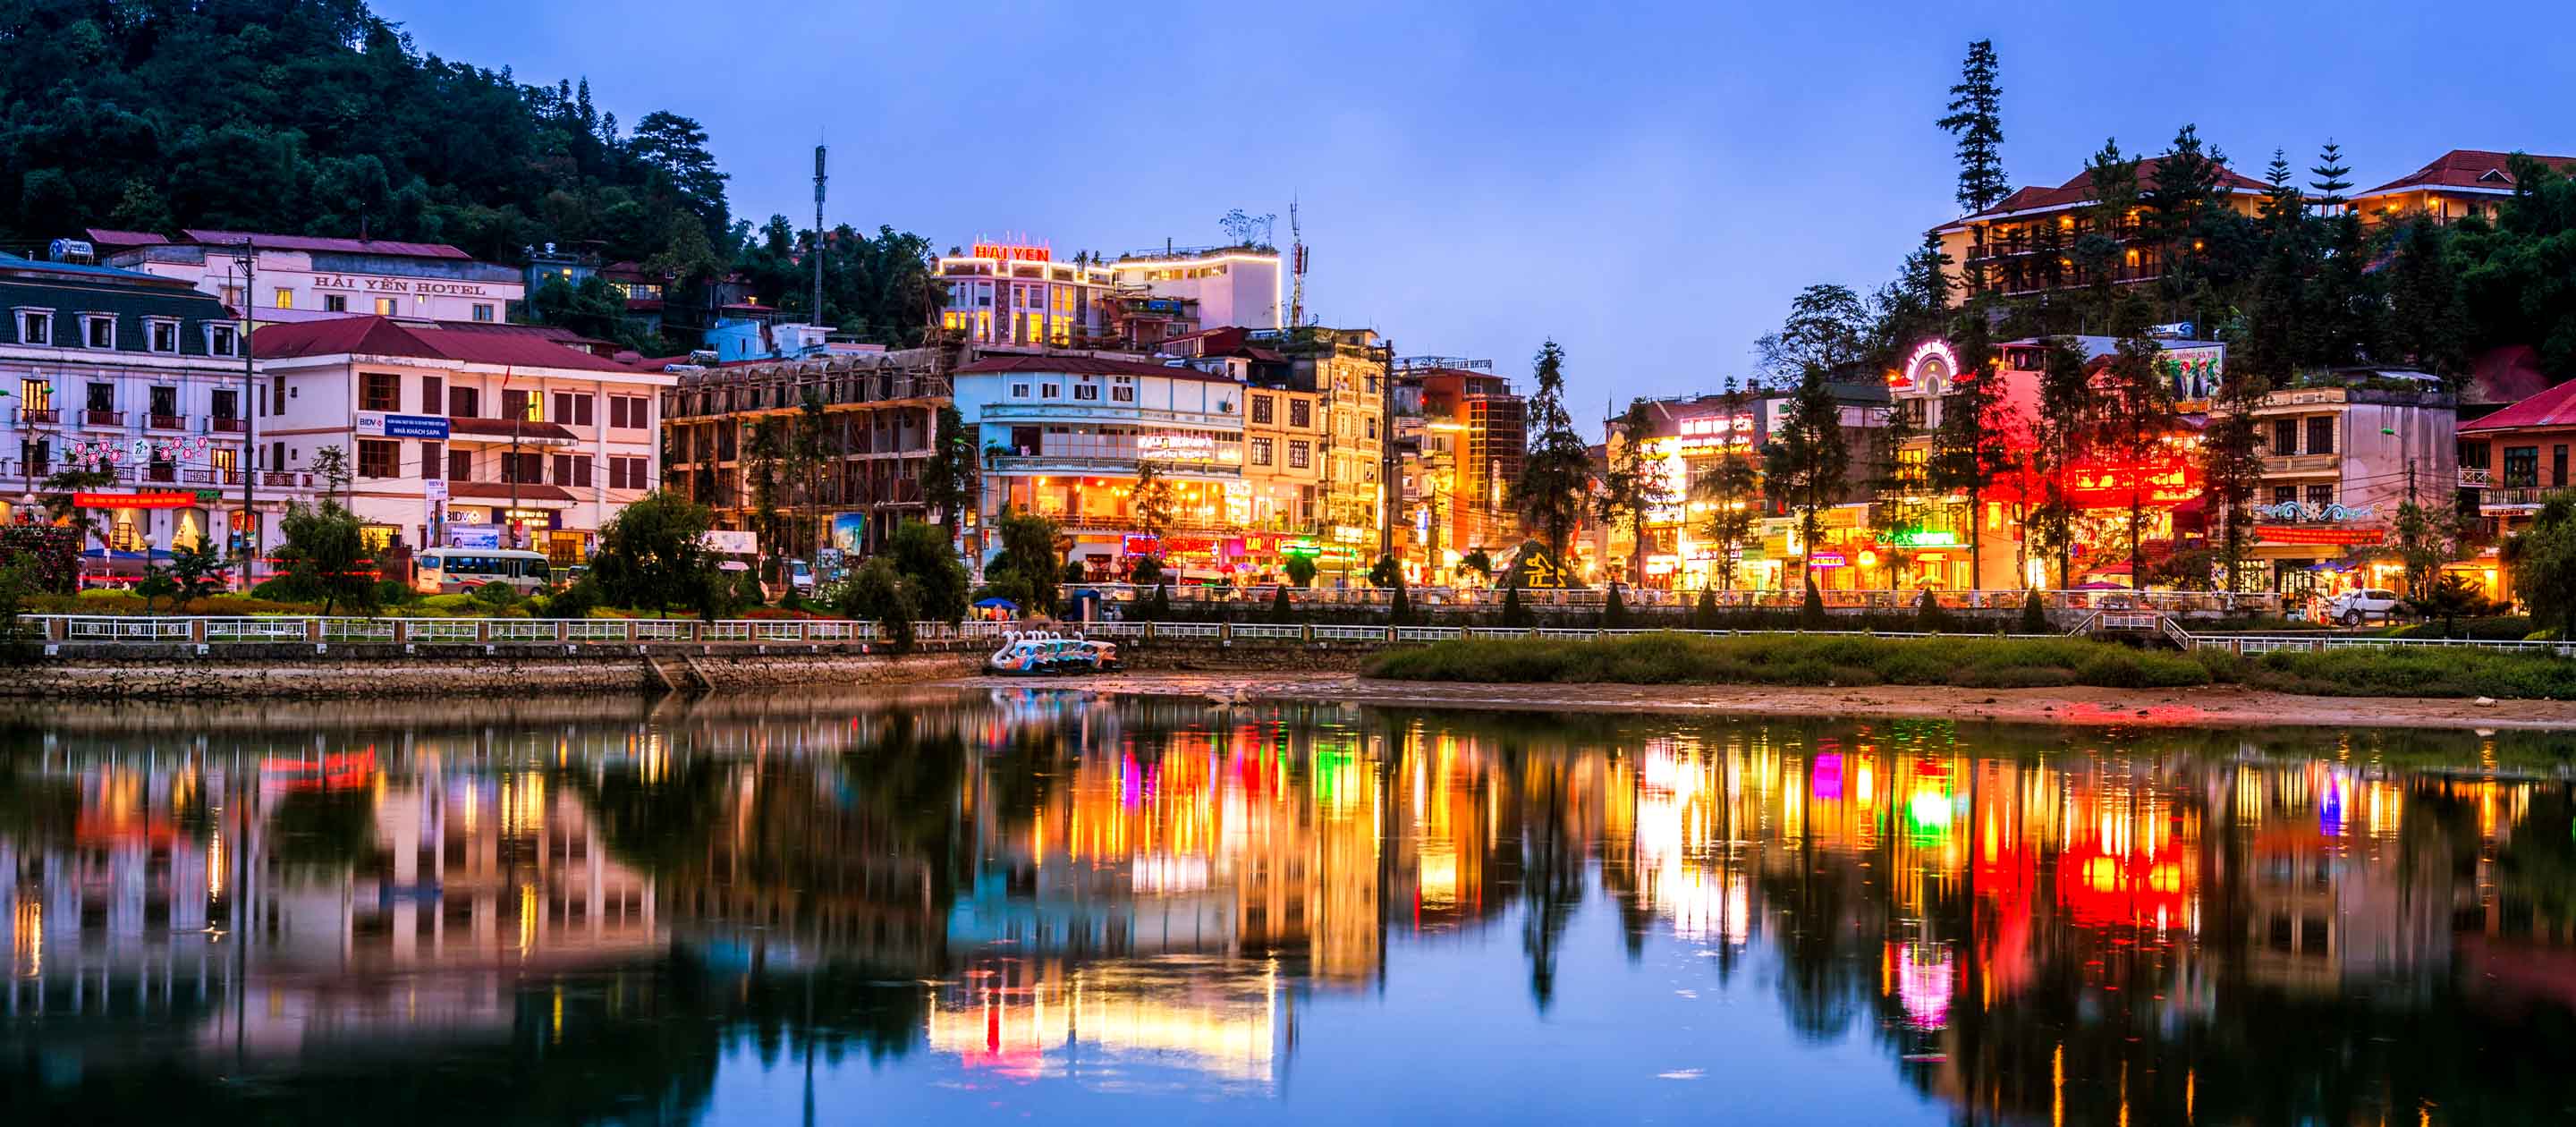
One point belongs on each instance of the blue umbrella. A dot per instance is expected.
(996, 601)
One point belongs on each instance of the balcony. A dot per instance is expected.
(168, 422)
(1094, 409)
(1078, 466)
(2523, 496)
(97, 418)
(38, 416)
(227, 426)
(2302, 463)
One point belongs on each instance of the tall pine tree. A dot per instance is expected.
(1803, 467)
(1976, 121)
(1556, 470)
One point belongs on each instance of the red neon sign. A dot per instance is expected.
(134, 500)
(2166, 482)
(1010, 252)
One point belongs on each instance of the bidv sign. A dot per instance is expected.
(386, 424)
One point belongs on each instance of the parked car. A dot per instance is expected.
(2352, 607)
(800, 575)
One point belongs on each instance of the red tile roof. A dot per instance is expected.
(110, 238)
(2080, 190)
(2555, 407)
(2465, 168)
(312, 243)
(1084, 366)
(377, 336)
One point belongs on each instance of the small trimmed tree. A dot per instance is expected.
(1301, 570)
(1514, 614)
(1614, 612)
(1928, 615)
(1400, 609)
(2034, 617)
(1811, 613)
(1281, 610)
(1704, 613)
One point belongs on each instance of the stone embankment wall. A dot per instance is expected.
(349, 671)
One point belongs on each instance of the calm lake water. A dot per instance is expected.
(1045, 905)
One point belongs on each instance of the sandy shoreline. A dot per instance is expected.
(2212, 706)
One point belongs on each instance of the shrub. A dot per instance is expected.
(575, 601)
(493, 595)
(2034, 617)
(1929, 617)
(284, 589)
(451, 604)
(1614, 611)
(1811, 613)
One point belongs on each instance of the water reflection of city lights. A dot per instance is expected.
(1926, 977)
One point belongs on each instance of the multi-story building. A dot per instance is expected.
(1236, 285)
(1069, 437)
(2455, 186)
(1474, 432)
(1017, 294)
(879, 413)
(458, 433)
(1346, 370)
(2026, 244)
(301, 277)
(138, 376)
(2516, 458)
(2339, 457)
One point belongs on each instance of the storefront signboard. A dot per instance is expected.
(134, 500)
(386, 424)
(2309, 534)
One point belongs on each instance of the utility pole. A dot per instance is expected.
(250, 426)
(1386, 463)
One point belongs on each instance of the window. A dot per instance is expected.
(1086, 391)
(2321, 494)
(165, 404)
(1301, 413)
(35, 326)
(2558, 464)
(37, 454)
(524, 469)
(2285, 494)
(98, 330)
(379, 458)
(2321, 434)
(35, 395)
(626, 473)
(1372, 426)
(227, 404)
(460, 465)
(384, 307)
(2285, 436)
(573, 409)
(526, 405)
(1299, 455)
(1019, 391)
(572, 469)
(277, 455)
(1261, 409)
(335, 303)
(431, 457)
(1261, 451)
(629, 412)
(285, 299)
(465, 402)
(219, 340)
(1050, 391)
(2521, 466)
(1123, 393)
(379, 391)
(2475, 456)
(163, 334)
(277, 395)
(433, 390)
(102, 397)
(483, 311)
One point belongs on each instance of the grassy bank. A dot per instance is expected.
(1978, 663)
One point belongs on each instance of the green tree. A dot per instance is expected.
(2424, 538)
(1281, 610)
(812, 447)
(1811, 610)
(1145, 572)
(2450, 598)
(764, 458)
(2543, 559)
(195, 572)
(2136, 423)
(2231, 463)
(876, 592)
(1301, 570)
(2264, 340)
(931, 571)
(325, 552)
(2034, 617)
(1732, 490)
(1803, 467)
(1898, 503)
(1152, 502)
(2427, 315)
(1634, 485)
(2340, 306)
(1477, 562)
(2515, 273)
(1026, 569)
(948, 474)
(1386, 572)
(653, 553)
(1556, 468)
(1829, 327)
(1399, 606)
(1614, 610)
(2100, 251)
(2202, 244)
(2060, 436)
(676, 147)
(60, 492)
(1975, 121)
(1514, 614)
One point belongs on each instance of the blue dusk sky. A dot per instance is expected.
(1648, 183)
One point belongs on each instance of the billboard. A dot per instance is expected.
(386, 424)
(731, 542)
(849, 532)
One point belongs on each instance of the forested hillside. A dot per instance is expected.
(317, 117)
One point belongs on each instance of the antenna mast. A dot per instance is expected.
(1296, 268)
(818, 236)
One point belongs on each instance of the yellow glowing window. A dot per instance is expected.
(285, 298)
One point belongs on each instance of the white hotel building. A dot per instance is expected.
(1065, 437)
(462, 434)
(1014, 294)
(304, 278)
